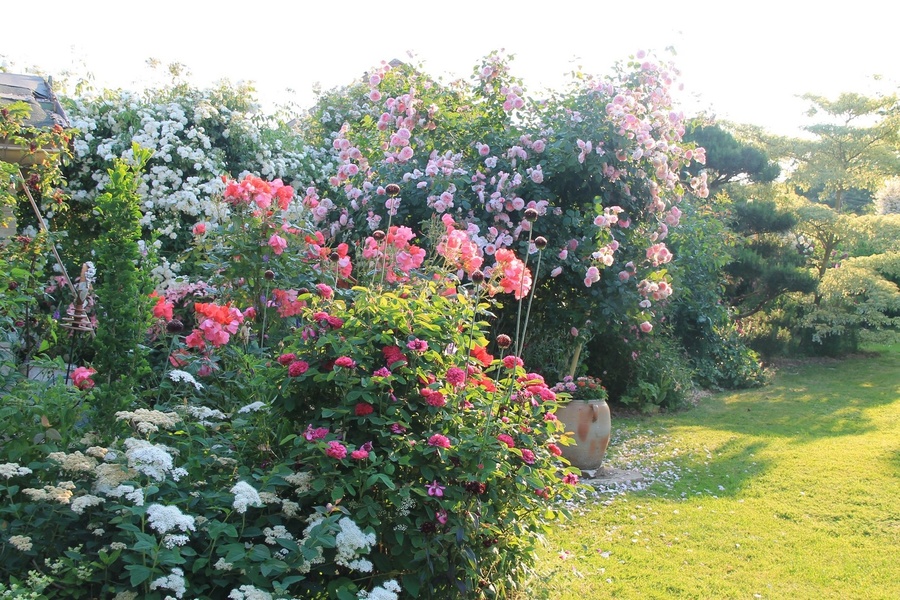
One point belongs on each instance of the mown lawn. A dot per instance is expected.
(788, 491)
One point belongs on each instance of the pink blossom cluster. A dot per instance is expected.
(217, 324)
(252, 189)
(394, 254)
(654, 290)
(458, 249)
(509, 275)
(658, 254)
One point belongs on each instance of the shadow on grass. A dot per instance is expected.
(725, 436)
(807, 402)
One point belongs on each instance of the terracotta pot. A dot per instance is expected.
(590, 423)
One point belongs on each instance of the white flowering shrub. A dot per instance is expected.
(172, 508)
(196, 136)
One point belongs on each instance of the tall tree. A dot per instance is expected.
(856, 145)
(765, 263)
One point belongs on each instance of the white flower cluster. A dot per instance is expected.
(174, 582)
(351, 541)
(248, 592)
(252, 407)
(204, 415)
(279, 532)
(80, 503)
(245, 495)
(179, 375)
(386, 591)
(149, 421)
(171, 540)
(61, 493)
(8, 470)
(22, 543)
(153, 460)
(300, 480)
(75, 462)
(196, 136)
(169, 518)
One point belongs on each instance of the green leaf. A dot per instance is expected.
(138, 574)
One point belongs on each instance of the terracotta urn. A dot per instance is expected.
(590, 424)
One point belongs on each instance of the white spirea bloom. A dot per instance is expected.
(300, 480)
(174, 582)
(386, 591)
(171, 540)
(82, 502)
(245, 495)
(169, 518)
(149, 421)
(61, 493)
(273, 534)
(75, 462)
(127, 491)
(253, 407)
(179, 375)
(153, 460)
(349, 542)
(21, 543)
(248, 592)
(8, 470)
(206, 416)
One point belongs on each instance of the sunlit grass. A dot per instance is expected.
(789, 491)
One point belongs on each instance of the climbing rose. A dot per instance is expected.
(336, 450)
(298, 368)
(439, 441)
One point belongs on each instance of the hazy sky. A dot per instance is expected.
(743, 61)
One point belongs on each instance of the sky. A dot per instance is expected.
(745, 62)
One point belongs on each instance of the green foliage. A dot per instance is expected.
(122, 288)
(729, 160)
(766, 263)
(698, 317)
(854, 147)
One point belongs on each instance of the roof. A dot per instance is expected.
(36, 91)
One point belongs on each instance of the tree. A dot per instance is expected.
(856, 146)
(765, 264)
(729, 159)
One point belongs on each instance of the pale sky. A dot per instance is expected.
(743, 61)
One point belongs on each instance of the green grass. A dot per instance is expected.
(788, 491)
